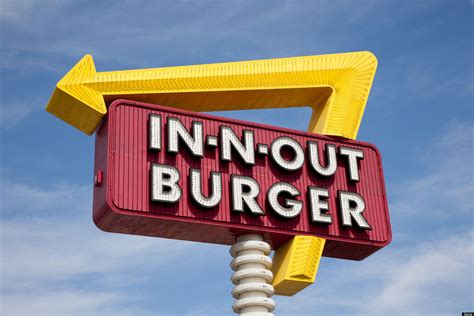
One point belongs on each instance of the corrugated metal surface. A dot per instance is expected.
(128, 185)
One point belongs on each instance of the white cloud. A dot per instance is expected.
(430, 280)
(59, 263)
(67, 29)
(63, 198)
(431, 277)
(53, 250)
(12, 114)
(12, 10)
(447, 187)
(70, 302)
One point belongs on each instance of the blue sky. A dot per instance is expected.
(54, 261)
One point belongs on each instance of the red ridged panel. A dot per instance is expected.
(130, 209)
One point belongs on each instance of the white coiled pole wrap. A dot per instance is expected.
(252, 277)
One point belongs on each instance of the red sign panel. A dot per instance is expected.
(170, 173)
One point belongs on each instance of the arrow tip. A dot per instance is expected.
(83, 72)
(74, 102)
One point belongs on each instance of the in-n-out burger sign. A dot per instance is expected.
(170, 173)
(244, 189)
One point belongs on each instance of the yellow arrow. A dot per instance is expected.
(335, 86)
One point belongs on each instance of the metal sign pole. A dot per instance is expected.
(252, 277)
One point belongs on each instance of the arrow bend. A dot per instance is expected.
(335, 86)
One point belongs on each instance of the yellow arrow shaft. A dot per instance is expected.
(335, 86)
(213, 92)
(159, 80)
(261, 74)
